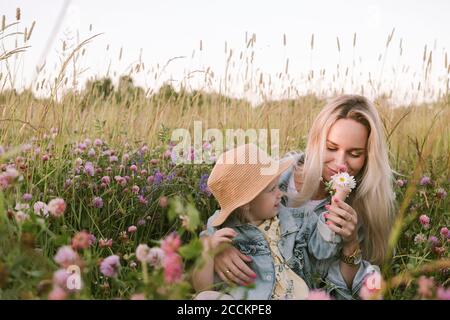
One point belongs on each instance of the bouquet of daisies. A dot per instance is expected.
(340, 185)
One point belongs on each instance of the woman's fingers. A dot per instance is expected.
(342, 213)
(230, 264)
(223, 277)
(239, 269)
(229, 273)
(221, 270)
(335, 228)
(344, 206)
(336, 220)
(248, 273)
(244, 257)
(340, 226)
(222, 259)
(225, 263)
(235, 273)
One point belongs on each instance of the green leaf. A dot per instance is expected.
(175, 208)
(193, 218)
(191, 250)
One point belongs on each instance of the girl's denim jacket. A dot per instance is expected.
(329, 269)
(299, 243)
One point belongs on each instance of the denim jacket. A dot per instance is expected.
(300, 241)
(329, 269)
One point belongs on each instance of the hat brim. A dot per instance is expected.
(225, 212)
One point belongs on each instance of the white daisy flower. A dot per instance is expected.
(343, 180)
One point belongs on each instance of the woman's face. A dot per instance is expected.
(345, 148)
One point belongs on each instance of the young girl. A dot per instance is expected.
(279, 240)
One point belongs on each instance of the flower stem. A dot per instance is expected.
(144, 272)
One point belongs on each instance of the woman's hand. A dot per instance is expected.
(343, 220)
(231, 267)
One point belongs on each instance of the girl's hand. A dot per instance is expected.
(219, 237)
(231, 267)
(343, 220)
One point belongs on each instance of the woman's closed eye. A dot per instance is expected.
(355, 155)
(352, 154)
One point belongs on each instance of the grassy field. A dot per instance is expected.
(87, 180)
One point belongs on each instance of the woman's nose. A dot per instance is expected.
(341, 162)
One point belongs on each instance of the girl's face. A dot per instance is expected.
(266, 204)
(345, 148)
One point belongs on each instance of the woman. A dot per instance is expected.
(347, 136)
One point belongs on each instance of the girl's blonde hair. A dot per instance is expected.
(373, 199)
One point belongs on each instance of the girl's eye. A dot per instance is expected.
(331, 149)
(357, 155)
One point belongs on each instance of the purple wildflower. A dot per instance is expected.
(203, 184)
(159, 177)
(98, 142)
(170, 176)
(67, 183)
(97, 202)
(113, 159)
(91, 153)
(425, 181)
(89, 169)
(142, 199)
(110, 266)
(106, 180)
(441, 193)
(401, 183)
(434, 241)
(443, 294)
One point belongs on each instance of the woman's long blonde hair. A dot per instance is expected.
(373, 199)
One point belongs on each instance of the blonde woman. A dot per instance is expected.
(347, 135)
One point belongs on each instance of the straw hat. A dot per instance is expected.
(239, 175)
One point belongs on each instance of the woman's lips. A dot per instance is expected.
(333, 172)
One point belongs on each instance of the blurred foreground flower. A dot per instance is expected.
(56, 207)
(110, 266)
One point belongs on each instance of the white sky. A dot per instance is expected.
(165, 29)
